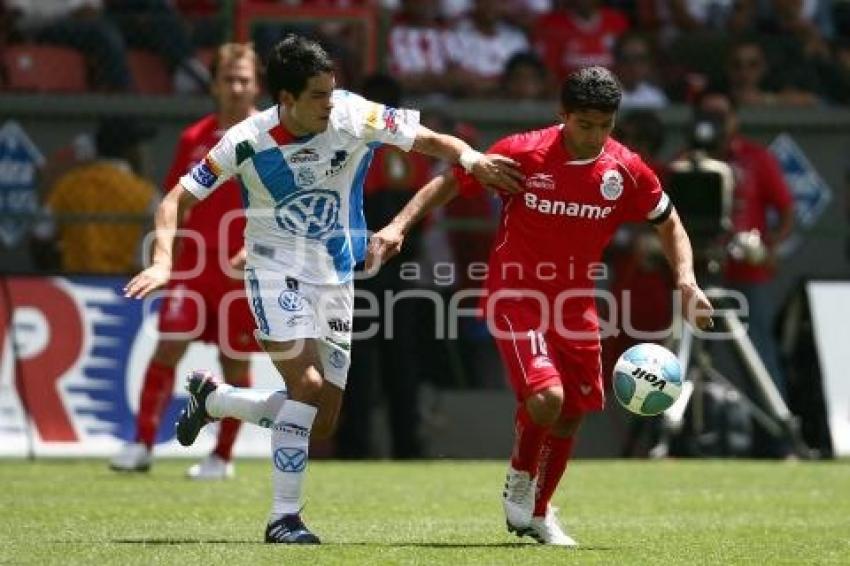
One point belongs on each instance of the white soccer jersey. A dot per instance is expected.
(304, 196)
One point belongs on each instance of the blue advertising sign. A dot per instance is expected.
(19, 164)
(810, 191)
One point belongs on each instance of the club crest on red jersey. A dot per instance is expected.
(612, 184)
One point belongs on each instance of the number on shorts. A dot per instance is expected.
(538, 343)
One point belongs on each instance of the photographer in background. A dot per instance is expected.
(759, 191)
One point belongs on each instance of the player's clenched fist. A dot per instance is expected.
(154, 277)
(696, 307)
(383, 245)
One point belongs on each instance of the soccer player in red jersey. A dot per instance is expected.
(198, 308)
(580, 185)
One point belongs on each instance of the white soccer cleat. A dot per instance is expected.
(133, 457)
(518, 500)
(211, 468)
(548, 530)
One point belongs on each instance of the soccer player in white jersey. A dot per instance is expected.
(301, 165)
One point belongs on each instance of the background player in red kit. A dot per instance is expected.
(193, 302)
(580, 185)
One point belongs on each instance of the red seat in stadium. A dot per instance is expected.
(150, 73)
(45, 68)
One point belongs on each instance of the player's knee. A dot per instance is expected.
(236, 372)
(545, 406)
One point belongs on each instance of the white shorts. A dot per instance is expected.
(286, 309)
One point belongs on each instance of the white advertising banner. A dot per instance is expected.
(74, 353)
(829, 302)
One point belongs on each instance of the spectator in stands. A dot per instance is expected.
(808, 21)
(521, 13)
(793, 34)
(389, 362)
(837, 78)
(635, 66)
(525, 77)
(416, 48)
(480, 46)
(579, 36)
(78, 24)
(106, 186)
(759, 189)
(670, 19)
(154, 25)
(750, 84)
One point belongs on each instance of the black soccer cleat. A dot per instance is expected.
(290, 529)
(193, 418)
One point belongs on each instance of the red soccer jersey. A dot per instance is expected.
(567, 43)
(759, 186)
(207, 216)
(552, 234)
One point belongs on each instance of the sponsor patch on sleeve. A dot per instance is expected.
(206, 172)
(391, 119)
(374, 118)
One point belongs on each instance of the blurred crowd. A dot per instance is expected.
(761, 52)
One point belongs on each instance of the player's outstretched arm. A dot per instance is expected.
(696, 307)
(387, 242)
(170, 210)
(491, 170)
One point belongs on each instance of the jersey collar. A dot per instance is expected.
(281, 134)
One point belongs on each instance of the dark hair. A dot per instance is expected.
(382, 88)
(293, 61)
(591, 88)
(714, 90)
(116, 135)
(525, 59)
(629, 37)
(641, 128)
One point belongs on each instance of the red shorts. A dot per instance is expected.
(211, 307)
(537, 360)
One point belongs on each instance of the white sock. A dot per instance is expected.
(290, 441)
(257, 406)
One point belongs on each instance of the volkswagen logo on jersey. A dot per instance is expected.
(290, 301)
(612, 184)
(310, 214)
(306, 177)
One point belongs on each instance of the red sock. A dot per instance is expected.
(553, 462)
(229, 428)
(156, 391)
(529, 440)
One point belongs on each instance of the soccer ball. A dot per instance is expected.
(647, 379)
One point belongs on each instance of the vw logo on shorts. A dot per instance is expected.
(291, 301)
(311, 214)
(337, 359)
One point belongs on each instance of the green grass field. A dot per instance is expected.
(695, 512)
